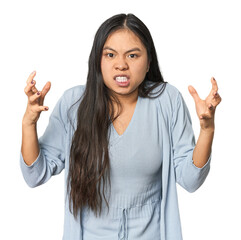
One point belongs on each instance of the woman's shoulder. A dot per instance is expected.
(165, 92)
(73, 94)
(167, 102)
(171, 89)
(166, 98)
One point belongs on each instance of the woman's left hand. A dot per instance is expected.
(206, 108)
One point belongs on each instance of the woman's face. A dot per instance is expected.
(124, 63)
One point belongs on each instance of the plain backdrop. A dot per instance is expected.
(195, 40)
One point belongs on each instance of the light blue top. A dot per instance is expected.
(146, 161)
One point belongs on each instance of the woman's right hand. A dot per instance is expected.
(35, 100)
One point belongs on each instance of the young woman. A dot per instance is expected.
(124, 139)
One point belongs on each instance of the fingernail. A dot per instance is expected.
(46, 108)
(33, 72)
(38, 93)
(32, 82)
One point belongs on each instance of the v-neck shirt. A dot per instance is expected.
(115, 135)
(146, 161)
(130, 122)
(134, 204)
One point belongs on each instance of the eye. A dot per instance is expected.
(111, 55)
(132, 55)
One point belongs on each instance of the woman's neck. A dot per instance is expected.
(127, 101)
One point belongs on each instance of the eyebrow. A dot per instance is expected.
(131, 50)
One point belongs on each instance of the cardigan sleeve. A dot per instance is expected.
(189, 176)
(51, 158)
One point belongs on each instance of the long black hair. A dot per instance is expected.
(89, 166)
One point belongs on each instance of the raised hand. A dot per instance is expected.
(206, 108)
(35, 100)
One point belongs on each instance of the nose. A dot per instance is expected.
(121, 64)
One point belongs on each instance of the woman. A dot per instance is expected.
(124, 140)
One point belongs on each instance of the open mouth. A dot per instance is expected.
(122, 80)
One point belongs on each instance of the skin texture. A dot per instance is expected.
(124, 54)
(30, 146)
(206, 108)
(205, 111)
(119, 57)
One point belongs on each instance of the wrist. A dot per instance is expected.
(28, 123)
(209, 130)
(207, 125)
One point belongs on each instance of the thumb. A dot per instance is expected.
(194, 93)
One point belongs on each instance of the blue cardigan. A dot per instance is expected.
(147, 160)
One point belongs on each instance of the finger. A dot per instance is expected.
(215, 94)
(31, 76)
(194, 93)
(30, 89)
(205, 116)
(34, 97)
(216, 99)
(33, 82)
(39, 109)
(45, 90)
(43, 108)
(214, 89)
(211, 107)
(209, 113)
(214, 85)
(34, 89)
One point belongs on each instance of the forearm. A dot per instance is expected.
(203, 147)
(30, 146)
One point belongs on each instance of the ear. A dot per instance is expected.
(148, 67)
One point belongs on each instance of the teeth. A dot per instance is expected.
(121, 79)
